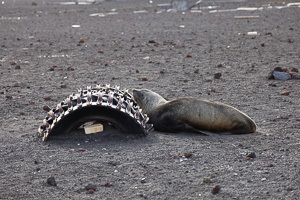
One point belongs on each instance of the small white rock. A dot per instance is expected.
(252, 33)
(94, 128)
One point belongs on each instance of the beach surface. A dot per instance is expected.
(221, 51)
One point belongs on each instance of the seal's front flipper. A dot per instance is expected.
(191, 129)
(208, 133)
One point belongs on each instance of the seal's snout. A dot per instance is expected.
(139, 96)
(135, 93)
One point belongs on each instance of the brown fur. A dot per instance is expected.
(185, 114)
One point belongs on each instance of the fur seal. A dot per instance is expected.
(192, 114)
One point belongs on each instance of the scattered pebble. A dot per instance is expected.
(216, 189)
(207, 180)
(162, 71)
(70, 68)
(144, 196)
(46, 108)
(81, 149)
(107, 184)
(48, 98)
(286, 93)
(144, 79)
(91, 191)
(177, 156)
(189, 56)
(143, 180)
(281, 75)
(294, 70)
(295, 76)
(8, 96)
(248, 158)
(32, 102)
(290, 189)
(187, 154)
(91, 187)
(51, 181)
(17, 84)
(217, 75)
(63, 86)
(251, 155)
(100, 51)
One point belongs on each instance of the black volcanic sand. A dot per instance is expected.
(174, 54)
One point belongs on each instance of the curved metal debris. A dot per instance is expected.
(108, 104)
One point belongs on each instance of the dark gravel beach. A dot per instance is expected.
(50, 49)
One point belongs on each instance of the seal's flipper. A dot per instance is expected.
(209, 133)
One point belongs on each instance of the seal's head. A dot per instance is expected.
(147, 100)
